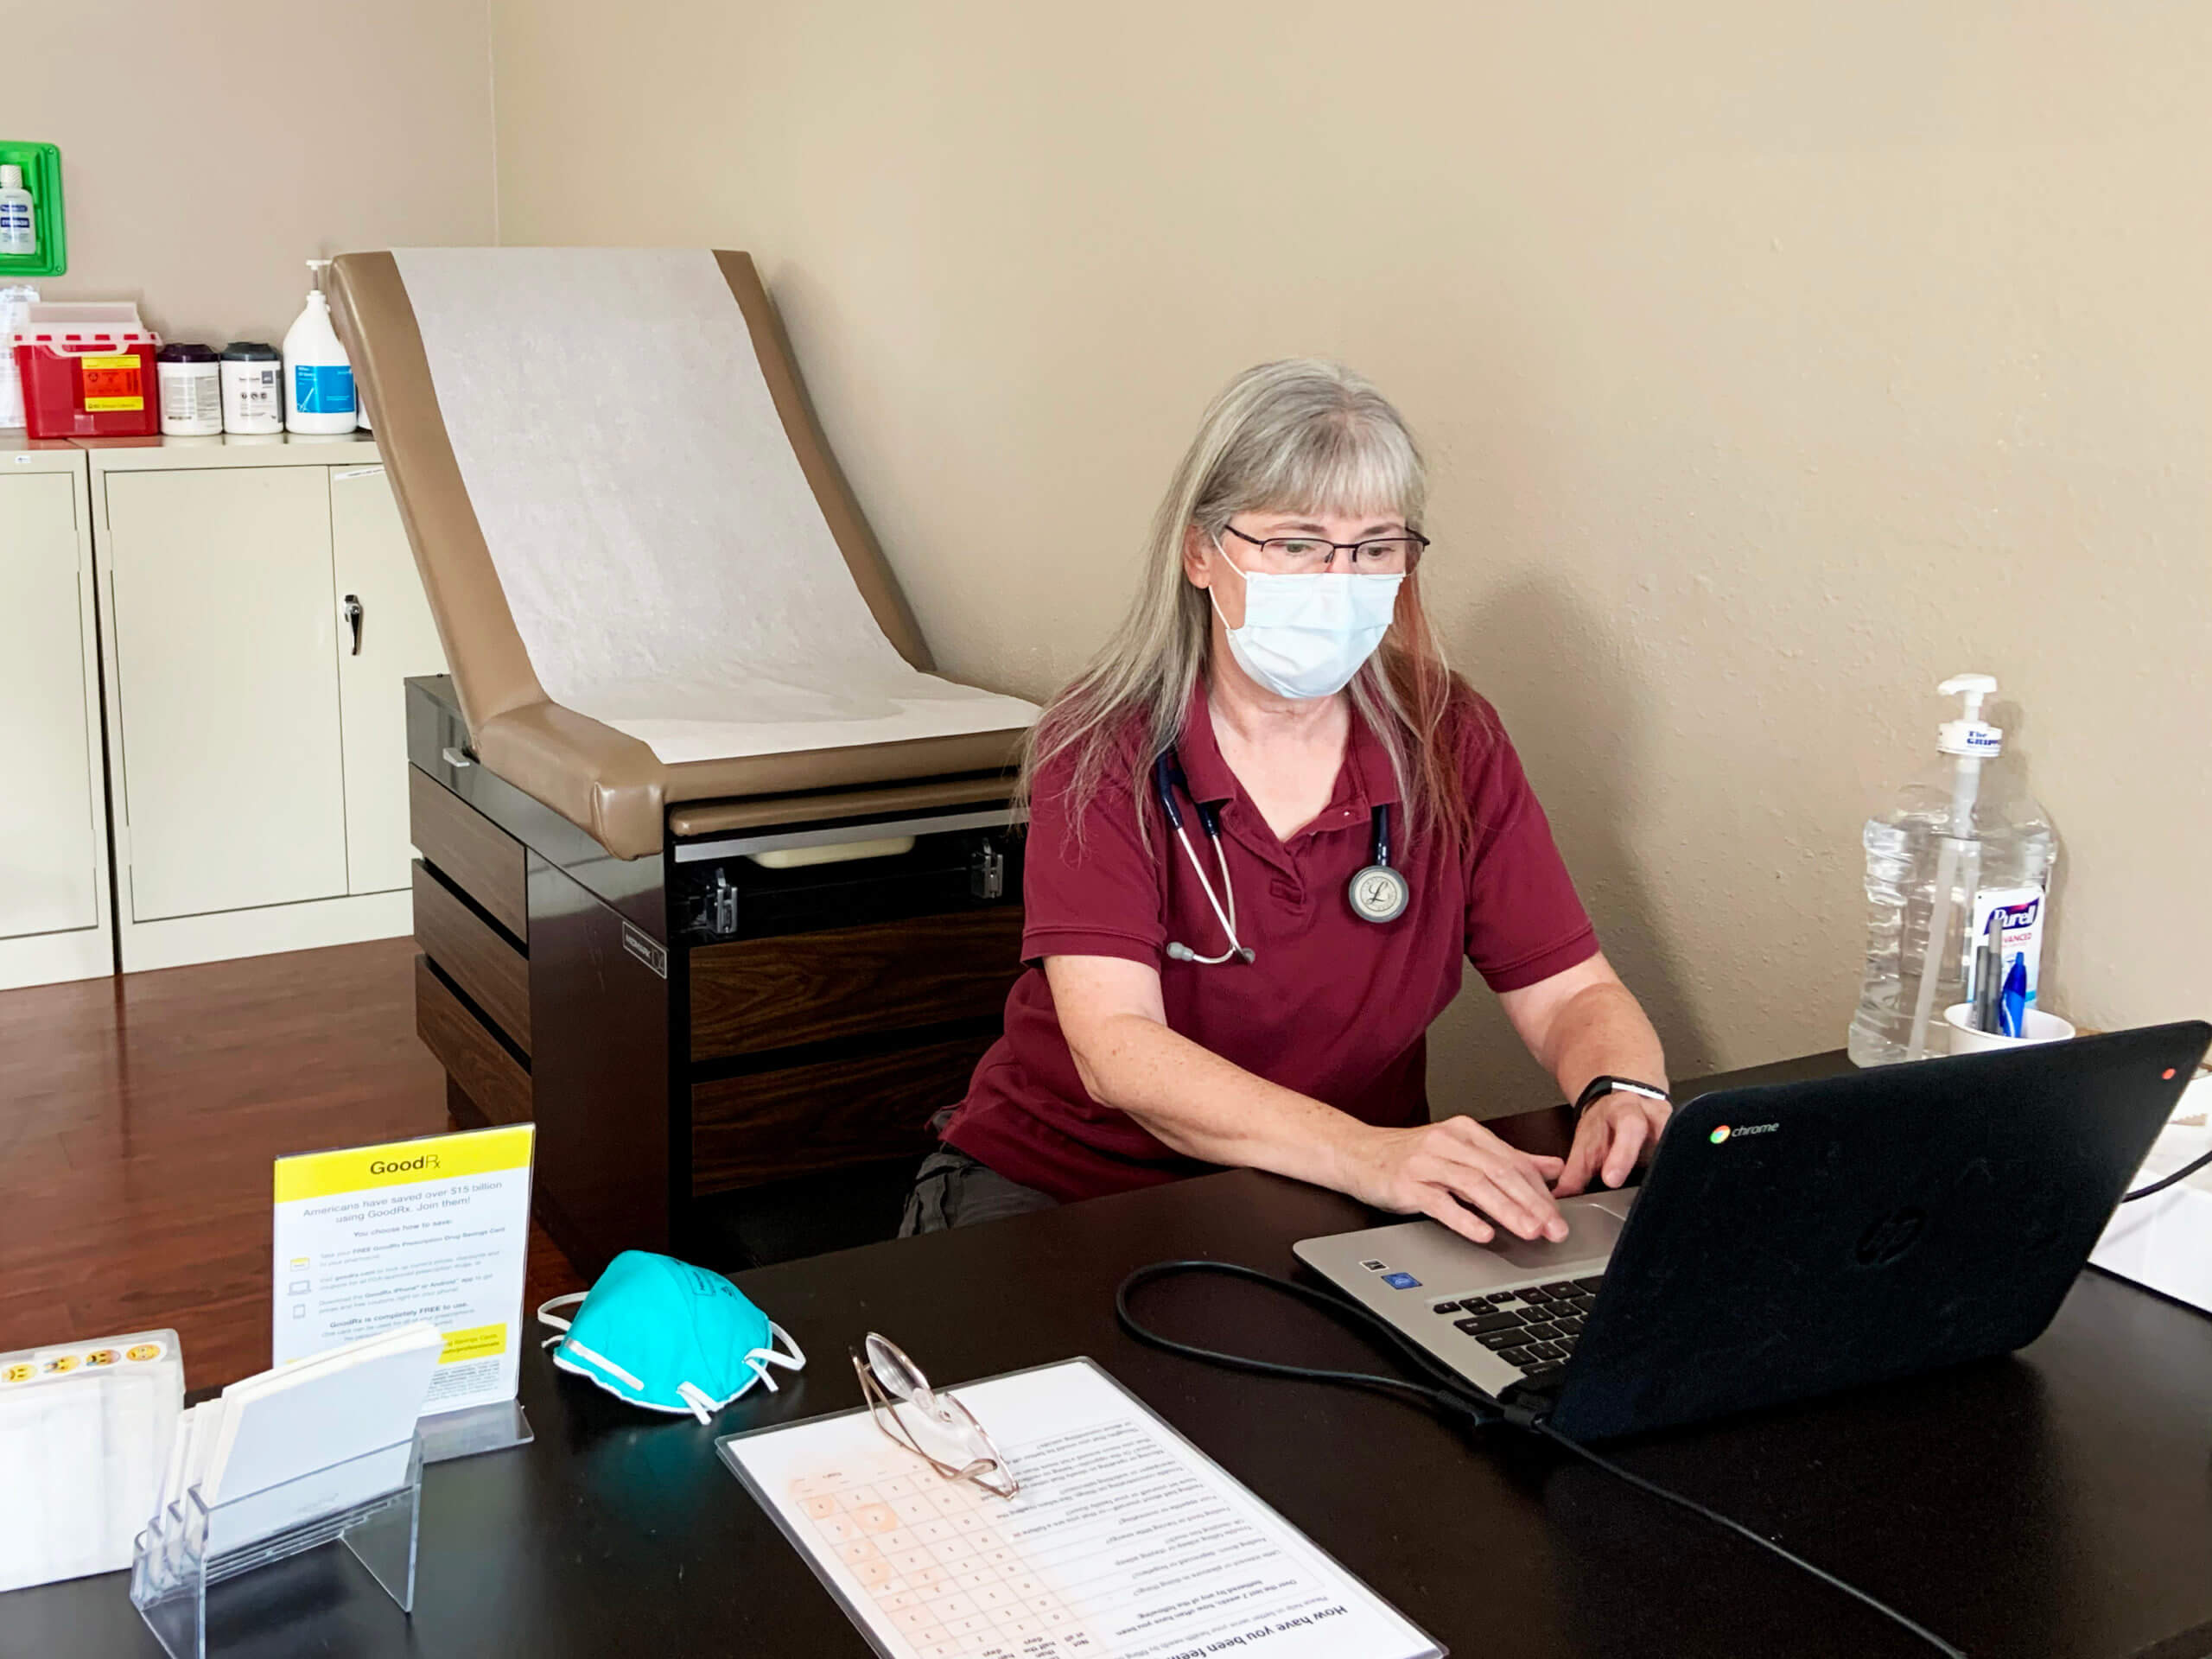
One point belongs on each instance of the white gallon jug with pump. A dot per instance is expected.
(318, 376)
(1964, 840)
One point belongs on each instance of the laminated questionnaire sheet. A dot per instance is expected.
(1125, 1542)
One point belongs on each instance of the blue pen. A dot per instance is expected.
(2012, 1007)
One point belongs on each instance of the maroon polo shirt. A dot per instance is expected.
(1333, 1006)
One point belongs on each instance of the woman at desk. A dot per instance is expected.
(1267, 825)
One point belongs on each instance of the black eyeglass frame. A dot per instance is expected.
(1419, 542)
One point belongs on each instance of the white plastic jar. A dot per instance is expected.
(192, 390)
(253, 392)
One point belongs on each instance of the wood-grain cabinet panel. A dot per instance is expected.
(469, 850)
(806, 1119)
(755, 995)
(474, 1059)
(473, 954)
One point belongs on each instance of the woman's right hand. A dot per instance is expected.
(1451, 1169)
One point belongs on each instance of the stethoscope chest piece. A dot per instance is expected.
(1379, 893)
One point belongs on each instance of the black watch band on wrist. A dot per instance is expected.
(1598, 1088)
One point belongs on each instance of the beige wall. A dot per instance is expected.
(208, 148)
(1776, 362)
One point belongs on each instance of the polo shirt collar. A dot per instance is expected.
(1365, 782)
(1209, 775)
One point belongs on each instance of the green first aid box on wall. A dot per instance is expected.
(42, 166)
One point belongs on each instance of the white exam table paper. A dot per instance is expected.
(1125, 1540)
(668, 567)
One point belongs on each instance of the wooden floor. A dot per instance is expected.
(139, 1116)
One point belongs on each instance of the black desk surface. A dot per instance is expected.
(2057, 1503)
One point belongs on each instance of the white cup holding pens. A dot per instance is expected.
(2037, 1027)
(1999, 1016)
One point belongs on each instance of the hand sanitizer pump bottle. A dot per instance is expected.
(1964, 840)
(318, 377)
(18, 215)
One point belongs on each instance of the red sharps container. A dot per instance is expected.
(87, 368)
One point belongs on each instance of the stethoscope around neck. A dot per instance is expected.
(1378, 893)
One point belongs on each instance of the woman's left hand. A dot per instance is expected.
(1618, 1130)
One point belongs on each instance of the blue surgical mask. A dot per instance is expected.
(1306, 636)
(663, 1334)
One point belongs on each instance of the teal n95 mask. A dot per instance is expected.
(1306, 636)
(663, 1334)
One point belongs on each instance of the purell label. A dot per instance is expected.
(2023, 908)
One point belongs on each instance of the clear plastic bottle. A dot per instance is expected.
(18, 215)
(1963, 839)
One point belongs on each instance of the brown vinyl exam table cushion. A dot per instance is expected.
(612, 784)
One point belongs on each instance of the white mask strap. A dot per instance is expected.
(761, 1358)
(703, 1407)
(545, 1318)
(1231, 563)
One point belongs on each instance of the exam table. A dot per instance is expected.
(715, 882)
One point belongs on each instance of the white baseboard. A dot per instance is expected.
(232, 933)
(49, 958)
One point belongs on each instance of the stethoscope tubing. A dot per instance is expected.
(1166, 777)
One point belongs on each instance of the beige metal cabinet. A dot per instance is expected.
(54, 872)
(261, 611)
(234, 791)
(386, 634)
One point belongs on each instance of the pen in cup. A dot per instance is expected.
(2012, 1006)
(1989, 972)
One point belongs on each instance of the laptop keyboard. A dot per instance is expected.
(1533, 1328)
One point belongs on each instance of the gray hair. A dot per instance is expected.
(1301, 435)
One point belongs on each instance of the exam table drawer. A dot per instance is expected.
(753, 995)
(747, 1131)
(474, 1059)
(473, 954)
(469, 850)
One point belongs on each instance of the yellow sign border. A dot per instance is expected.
(431, 1158)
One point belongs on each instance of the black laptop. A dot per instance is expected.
(1795, 1239)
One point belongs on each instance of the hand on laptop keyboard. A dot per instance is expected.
(1617, 1131)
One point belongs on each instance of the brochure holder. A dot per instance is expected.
(496, 1427)
(191, 1548)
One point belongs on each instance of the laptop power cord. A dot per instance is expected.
(1453, 1397)
(2161, 1185)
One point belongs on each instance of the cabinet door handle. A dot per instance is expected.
(456, 758)
(357, 472)
(353, 615)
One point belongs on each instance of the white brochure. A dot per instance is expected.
(1125, 1540)
(372, 1238)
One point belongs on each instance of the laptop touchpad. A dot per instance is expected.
(1591, 1227)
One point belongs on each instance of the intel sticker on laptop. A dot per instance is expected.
(1401, 1282)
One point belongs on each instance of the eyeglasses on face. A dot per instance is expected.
(1381, 555)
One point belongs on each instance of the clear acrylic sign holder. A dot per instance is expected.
(174, 1571)
(463, 1434)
